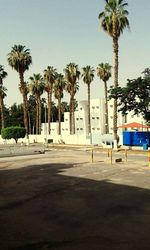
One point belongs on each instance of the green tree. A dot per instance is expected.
(104, 73)
(54, 116)
(20, 59)
(15, 117)
(114, 20)
(49, 77)
(72, 74)
(3, 90)
(88, 76)
(64, 108)
(135, 96)
(36, 86)
(2, 96)
(58, 93)
(13, 133)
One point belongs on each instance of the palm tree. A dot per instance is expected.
(32, 113)
(36, 86)
(2, 96)
(88, 76)
(3, 75)
(58, 93)
(49, 77)
(20, 59)
(104, 73)
(72, 74)
(114, 20)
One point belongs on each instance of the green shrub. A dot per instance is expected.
(13, 133)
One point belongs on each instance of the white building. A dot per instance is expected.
(97, 113)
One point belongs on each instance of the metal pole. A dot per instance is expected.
(92, 156)
(111, 156)
(108, 153)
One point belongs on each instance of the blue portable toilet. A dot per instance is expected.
(136, 138)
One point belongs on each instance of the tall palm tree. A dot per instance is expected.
(3, 75)
(32, 113)
(36, 86)
(20, 59)
(88, 76)
(114, 20)
(49, 77)
(72, 74)
(58, 93)
(2, 96)
(104, 73)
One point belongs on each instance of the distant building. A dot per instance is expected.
(97, 113)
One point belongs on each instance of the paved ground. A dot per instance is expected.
(60, 200)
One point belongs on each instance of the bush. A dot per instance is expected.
(13, 133)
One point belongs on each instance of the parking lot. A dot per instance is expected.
(63, 200)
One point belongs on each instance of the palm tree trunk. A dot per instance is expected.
(70, 115)
(39, 115)
(29, 118)
(49, 100)
(89, 115)
(21, 76)
(2, 112)
(59, 115)
(106, 109)
(73, 117)
(27, 110)
(116, 48)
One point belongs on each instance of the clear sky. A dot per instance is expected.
(58, 32)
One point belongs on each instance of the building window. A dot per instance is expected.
(66, 119)
(81, 118)
(77, 128)
(80, 108)
(98, 128)
(93, 107)
(111, 106)
(93, 128)
(132, 116)
(97, 107)
(97, 118)
(93, 118)
(66, 129)
(77, 119)
(111, 117)
(81, 128)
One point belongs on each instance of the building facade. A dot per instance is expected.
(97, 114)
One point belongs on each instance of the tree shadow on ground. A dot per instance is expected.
(41, 208)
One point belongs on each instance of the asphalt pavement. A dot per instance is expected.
(65, 199)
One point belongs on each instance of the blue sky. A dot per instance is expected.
(58, 32)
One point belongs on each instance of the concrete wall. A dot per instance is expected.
(67, 139)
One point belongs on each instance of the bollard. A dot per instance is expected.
(126, 154)
(92, 155)
(149, 159)
(111, 156)
(108, 153)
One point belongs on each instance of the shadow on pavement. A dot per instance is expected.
(42, 209)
